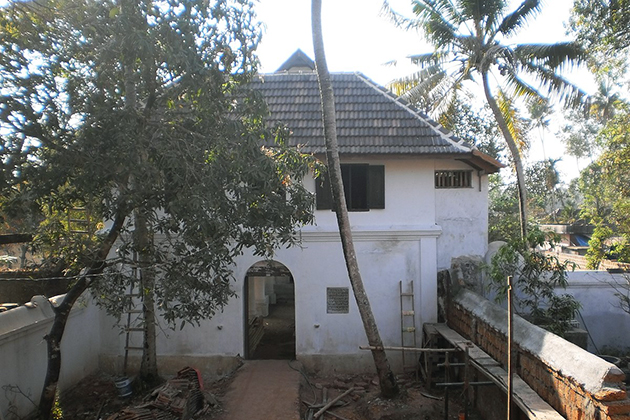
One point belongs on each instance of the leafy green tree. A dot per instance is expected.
(579, 134)
(604, 185)
(141, 110)
(503, 221)
(602, 25)
(477, 127)
(597, 246)
(542, 182)
(536, 278)
(472, 39)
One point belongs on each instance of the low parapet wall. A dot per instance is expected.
(23, 352)
(578, 384)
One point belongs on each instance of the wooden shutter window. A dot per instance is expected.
(364, 188)
(376, 187)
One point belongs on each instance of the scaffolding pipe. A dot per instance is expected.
(418, 349)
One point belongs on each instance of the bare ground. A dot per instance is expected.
(96, 397)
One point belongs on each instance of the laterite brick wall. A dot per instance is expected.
(578, 384)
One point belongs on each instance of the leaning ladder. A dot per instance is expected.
(135, 314)
(408, 328)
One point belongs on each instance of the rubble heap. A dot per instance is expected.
(180, 398)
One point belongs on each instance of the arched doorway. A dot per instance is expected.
(269, 312)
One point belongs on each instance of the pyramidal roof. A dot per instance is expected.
(298, 60)
(370, 119)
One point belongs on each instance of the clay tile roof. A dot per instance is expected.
(370, 119)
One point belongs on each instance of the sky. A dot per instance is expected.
(358, 38)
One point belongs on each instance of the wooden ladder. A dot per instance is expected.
(408, 328)
(135, 313)
(79, 221)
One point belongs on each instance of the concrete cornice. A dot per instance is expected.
(377, 233)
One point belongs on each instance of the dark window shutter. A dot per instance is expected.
(323, 196)
(376, 187)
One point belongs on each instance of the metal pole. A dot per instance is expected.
(509, 347)
(466, 381)
(448, 378)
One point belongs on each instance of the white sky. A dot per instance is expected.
(358, 38)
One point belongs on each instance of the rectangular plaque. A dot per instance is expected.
(337, 300)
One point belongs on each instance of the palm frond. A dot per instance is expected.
(445, 8)
(481, 11)
(447, 112)
(514, 21)
(554, 56)
(519, 88)
(430, 59)
(557, 86)
(513, 121)
(417, 87)
(437, 19)
(442, 96)
(399, 20)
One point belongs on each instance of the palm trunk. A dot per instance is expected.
(388, 385)
(516, 154)
(62, 312)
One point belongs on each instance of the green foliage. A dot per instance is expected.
(579, 135)
(136, 107)
(596, 247)
(604, 185)
(536, 278)
(503, 222)
(548, 199)
(543, 180)
(602, 25)
(476, 126)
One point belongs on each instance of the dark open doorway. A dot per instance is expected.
(270, 312)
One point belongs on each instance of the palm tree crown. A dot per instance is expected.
(471, 40)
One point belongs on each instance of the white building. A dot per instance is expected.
(417, 197)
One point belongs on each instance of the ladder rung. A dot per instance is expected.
(134, 348)
(409, 329)
(132, 295)
(408, 313)
(406, 294)
(134, 329)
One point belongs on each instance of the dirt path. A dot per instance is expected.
(263, 390)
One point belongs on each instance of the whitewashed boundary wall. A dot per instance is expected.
(23, 351)
(601, 316)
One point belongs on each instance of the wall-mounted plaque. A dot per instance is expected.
(337, 300)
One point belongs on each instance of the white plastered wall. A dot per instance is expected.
(462, 213)
(402, 242)
(23, 352)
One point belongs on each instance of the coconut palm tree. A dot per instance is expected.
(471, 40)
(387, 381)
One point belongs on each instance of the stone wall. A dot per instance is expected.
(578, 384)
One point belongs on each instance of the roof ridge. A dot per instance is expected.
(445, 134)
